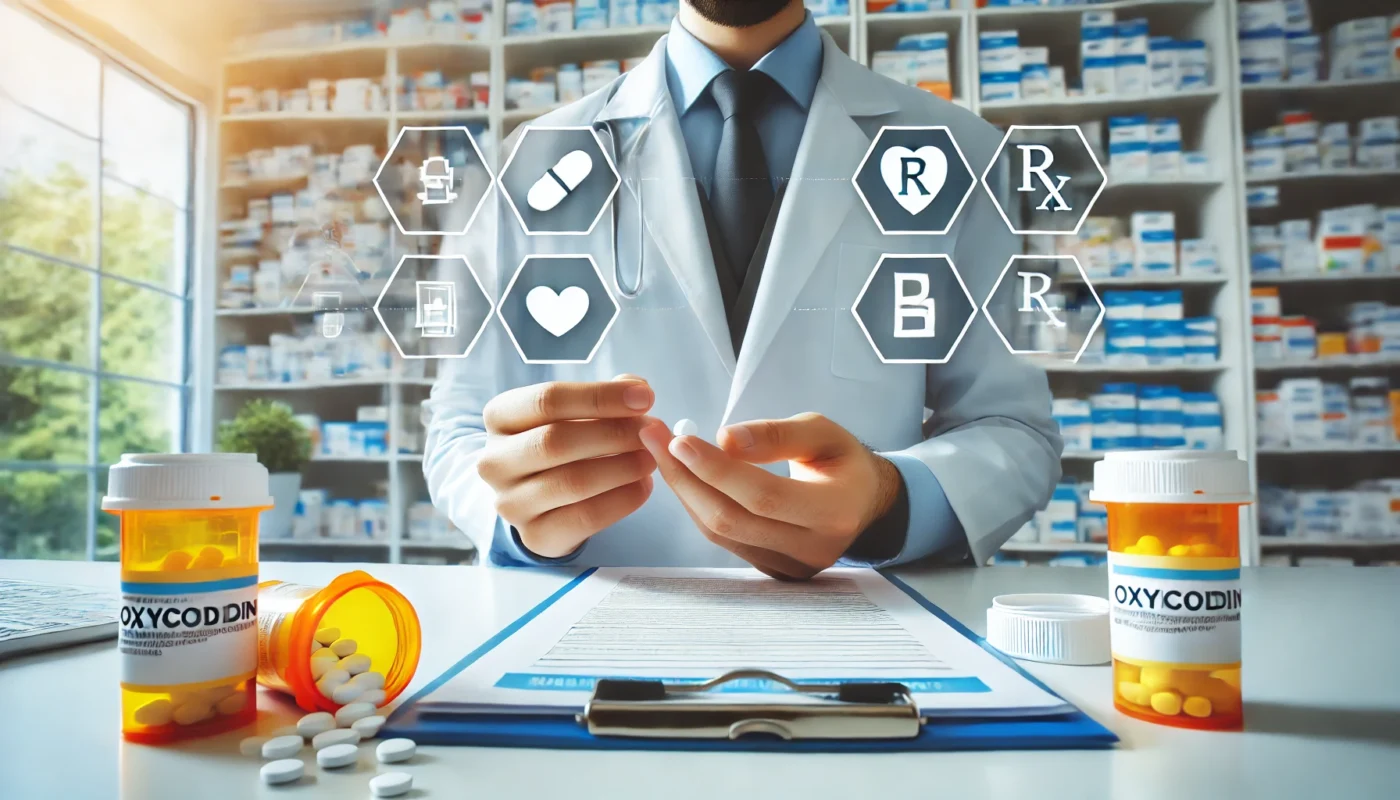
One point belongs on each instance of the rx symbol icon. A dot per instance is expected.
(1054, 200)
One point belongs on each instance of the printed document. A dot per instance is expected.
(690, 625)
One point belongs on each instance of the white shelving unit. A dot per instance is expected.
(1213, 120)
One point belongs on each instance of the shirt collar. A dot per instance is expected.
(795, 64)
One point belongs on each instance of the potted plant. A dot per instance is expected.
(283, 445)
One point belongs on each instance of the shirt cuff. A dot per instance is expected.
(932, 524)
(508, 551)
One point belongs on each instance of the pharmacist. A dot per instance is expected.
(811, 451)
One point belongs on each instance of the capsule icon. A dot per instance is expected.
(559, 181)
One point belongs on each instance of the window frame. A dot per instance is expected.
(192, 401)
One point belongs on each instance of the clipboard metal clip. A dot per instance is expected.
(654, 709)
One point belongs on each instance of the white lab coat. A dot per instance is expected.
(990, 440)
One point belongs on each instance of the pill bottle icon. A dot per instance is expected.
(188, 636)
(380, 622)
(1174, 583)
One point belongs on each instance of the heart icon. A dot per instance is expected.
(914, 177)
(557, 313)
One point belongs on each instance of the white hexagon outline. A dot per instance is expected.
(617, 182)
(470, 271)
(957, 212)
(491, 179)
(1093, 329)
(1103, 184)
(617, 308)
(903, 256)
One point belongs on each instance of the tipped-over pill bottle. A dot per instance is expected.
(189, 582)
(1174, 583)
(367, 615)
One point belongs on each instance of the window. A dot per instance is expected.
(95, 215)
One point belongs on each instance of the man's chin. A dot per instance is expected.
(738, 13)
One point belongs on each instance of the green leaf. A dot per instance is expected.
(270, 430)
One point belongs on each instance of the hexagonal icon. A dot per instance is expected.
(914, 309)
(559, 180)
(434, 307)
(1053, 179)
(914, 180)
(557, 309)
(433, 180)
(1049, 309)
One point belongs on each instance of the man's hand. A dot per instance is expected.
(565, 459)
(787, 527)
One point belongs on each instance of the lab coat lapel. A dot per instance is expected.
(660, 171)
(818, 198)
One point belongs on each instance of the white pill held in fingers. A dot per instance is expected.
(343, 647)
(686, 427)
(337, 736)
(252, 746)
(312, 724)
(392, 751)
(337, 755)
(283, 770)
(156, 712)
(347, 715)
(282, 747)
(390, 784)
(367, 727)
(564, 177)
(346, 693)
(327, 636)
(355, 663)
(374, 697)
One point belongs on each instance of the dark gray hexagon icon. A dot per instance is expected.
(914, 309)
(1052, 179)
(914, 180)
(557, 309)
(559, 180)
(433, 180)
(1045, 306)
(433, 307)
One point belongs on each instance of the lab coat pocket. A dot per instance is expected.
(852, 356)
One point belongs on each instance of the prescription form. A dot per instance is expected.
(690, 625)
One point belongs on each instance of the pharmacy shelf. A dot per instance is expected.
(290, 118)
(1080, 107)
(330, 544)
(1315, 450)
(1054, 547)
(1083, 455)
(268, 311)
(600, 36)
(303, 386)
(1140, 369)
(1288, 543)
(1266, 279)
(368, 45)
(1360, 85)
(443, 115)
(1150, 280)
(384, 459)
(1328, 176)
(1354, 362)
(462, 546)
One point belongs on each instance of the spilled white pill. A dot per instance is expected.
(334, 677)
(156, 712)
(282, 747)
(367, 727)
(561, 179)
(283, 770)
(314, 723)
(252, 746)
(343, 647)
(390, 784)
(355, 663)
(346, 693)
(338, 736)
(686, 427)
(327, 635)
(347, 715)
(374, 697)
(337, 755)
(392, 751)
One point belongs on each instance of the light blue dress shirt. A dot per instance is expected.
(795, 65)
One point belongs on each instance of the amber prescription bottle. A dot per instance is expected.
(1174, 583)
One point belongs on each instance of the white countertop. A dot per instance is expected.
(1321, 686)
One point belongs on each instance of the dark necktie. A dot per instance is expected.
(743, 191)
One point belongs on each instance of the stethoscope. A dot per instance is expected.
(621, 158)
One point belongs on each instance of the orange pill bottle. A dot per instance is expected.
(189, 573)
(380, 620)
(1174, 583)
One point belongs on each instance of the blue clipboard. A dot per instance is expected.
(415, 719)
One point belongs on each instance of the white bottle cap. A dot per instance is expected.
(164, 481)
(1053, 628)
(1171, 476)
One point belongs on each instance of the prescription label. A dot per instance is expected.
(1175, 610)
(279, 602)
(174, 633)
